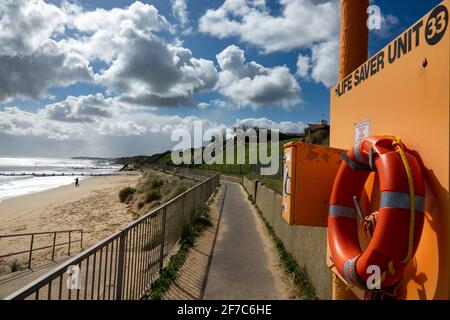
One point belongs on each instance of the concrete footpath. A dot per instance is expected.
(234, 259)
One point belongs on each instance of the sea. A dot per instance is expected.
(24, 182)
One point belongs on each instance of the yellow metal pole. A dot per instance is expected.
(354, 35)
(354, 43)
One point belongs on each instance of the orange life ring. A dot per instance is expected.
(398, 227)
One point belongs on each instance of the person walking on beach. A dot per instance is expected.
(77, 184)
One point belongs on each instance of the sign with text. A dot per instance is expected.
(362, 130)
(428, 31)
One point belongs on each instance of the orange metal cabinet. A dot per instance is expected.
(287, 207)
(308, 175)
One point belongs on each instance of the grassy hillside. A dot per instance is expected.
(141, 161)
(320, 137)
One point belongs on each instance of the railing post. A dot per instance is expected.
(70, 239)
(203, 191)
(163, 239)
(31, 251)
(195, 198)
(120, 265)
(182, 208)
(53, 248)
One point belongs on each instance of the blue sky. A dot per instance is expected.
(212, 91)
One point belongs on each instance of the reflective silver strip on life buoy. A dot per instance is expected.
(350, 274)
(341, 211)
(401, 200)
(358, 155)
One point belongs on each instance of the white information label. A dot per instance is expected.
(362, 130)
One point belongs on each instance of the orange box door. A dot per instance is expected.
(289, 174)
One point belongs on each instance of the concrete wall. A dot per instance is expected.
(307, 244)
(250, 186)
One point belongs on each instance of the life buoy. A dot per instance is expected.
(400, 217)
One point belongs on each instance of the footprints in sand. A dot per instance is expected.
(98, 214)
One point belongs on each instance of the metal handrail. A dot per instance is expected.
(131, 261)
(29, 289)
(37, 233)
(53, 246)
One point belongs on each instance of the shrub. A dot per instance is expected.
(140, 205)
(126, 193)
(157, 183)
(15, 265)
(150, 183)
(152, 196)
(179, 189)
(319, 137)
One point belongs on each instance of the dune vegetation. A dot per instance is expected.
(153, 189)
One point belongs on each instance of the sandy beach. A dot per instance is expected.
(93, 207)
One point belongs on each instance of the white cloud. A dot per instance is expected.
(44, 46)
(16, 122)
(179, 10)
(26, 25)
(303, 66)
(80, 109)
(388, 24)
(144, 17)
(264, 123)
(251, 84)
(203, 105)
(141, 66)
(119, 128)
(150, 72)
(106, 135)
(305, 24)
(31, 61)
(171, 123)
(325, 57)
(322, 66)
(302, 23)
(105, 31)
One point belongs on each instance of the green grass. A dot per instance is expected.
(276, 184)
(199, 221)
(320, 137)
(298, 274)
(240, 169)
(165, 159)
